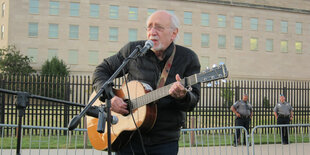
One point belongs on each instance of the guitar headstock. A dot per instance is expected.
(215, 73)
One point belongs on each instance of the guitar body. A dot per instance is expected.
(144, 118)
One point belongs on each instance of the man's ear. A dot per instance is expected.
(174, 33)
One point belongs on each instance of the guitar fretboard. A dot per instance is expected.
(158, 93)
(208, 75)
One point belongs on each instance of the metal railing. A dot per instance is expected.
(200, 141)
(271, 141)
(210, 141)
(73, 143)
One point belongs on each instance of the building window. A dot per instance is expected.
(132, 34)
(205, 40)
(171, 12)
(33, 54)
(269, 45)
(150, 11)
(284, 26)
(204, 17)
(73, 57)
(221, 41)
(32, 29)
(113, 12)
(253, 44)
(204, 62)
(74, 9)
(111, 53)
(93, 32)
(133, 13)
(3, 10)
(53, 31)
(34, 6)
(269, 25)
(254, 24)
(54, 8)
(284, 46)
(2, 32)
(94, 10)
(221, 60)
(298, 47)
(187, 18)
(93, 56)
(113, 34)
(238, 22)
(51, 53)
(238, 42)
(187, 39)
(221, 21)
(74, 31)
(298, 28)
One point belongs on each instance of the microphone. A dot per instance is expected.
(148, 44)
(94, 112)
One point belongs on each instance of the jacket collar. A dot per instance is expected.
(168, 52)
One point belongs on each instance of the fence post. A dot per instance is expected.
(237, 93)
(285, 91)
(2, 99)
(192, 134)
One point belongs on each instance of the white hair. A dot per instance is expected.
(175, 23)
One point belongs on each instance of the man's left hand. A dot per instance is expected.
(177, 90)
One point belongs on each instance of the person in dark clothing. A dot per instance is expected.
(283, 112)
(243, 111)
(162, 138)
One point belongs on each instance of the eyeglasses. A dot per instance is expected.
(157, 28)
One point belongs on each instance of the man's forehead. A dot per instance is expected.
(159, 19)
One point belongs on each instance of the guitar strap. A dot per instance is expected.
(164, 74)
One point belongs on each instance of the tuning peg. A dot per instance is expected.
(214, 65)
(209, 85)
(215, 83)
(224, 80)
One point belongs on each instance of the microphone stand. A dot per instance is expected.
(105, 92)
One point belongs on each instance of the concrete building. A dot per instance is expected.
(255, 39)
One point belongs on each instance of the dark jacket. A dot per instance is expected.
(147, 69)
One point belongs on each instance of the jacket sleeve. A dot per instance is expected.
(189, 102)
(109, 65)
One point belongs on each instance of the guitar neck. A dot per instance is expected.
(159, 93)
(218, 72)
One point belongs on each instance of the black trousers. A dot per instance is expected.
(284, 130)
(245, 122)
(135, 148)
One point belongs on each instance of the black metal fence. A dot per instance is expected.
(213, 110)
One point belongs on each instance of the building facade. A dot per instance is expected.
(255, 39)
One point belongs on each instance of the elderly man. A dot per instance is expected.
(283, 112)
(165, 63)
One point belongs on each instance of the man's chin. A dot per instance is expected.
(157, 48)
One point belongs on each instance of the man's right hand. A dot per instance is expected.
(237, 114)
(119, 106)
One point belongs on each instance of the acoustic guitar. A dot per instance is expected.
(143, 108)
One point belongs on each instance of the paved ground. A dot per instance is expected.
(271, 149)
